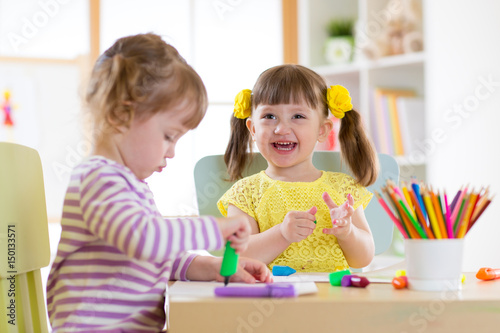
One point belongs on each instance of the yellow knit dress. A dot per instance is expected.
(268, 201)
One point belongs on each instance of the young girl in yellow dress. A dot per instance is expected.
(300, 216)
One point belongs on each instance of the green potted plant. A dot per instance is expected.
(339, 46)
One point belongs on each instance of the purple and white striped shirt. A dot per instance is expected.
(117, 253)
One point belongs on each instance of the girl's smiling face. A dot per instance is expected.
(286, 134)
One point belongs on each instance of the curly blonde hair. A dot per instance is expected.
(139, 76)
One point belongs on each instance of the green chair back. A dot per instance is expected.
(210, 176)
(24, 240)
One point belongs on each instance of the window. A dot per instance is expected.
(228, 42)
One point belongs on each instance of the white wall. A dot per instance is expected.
(463, 50)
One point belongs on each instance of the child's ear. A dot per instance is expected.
(250, 126)
(325, 129)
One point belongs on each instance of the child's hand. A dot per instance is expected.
(341, 216)
(249, 271)
(298, 225)
(236, 230)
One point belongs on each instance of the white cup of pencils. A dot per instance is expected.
(433, 229)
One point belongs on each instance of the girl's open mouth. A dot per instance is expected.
(284, 146)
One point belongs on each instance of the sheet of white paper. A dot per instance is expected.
(321, 277)
(207, 289)
(303, 277)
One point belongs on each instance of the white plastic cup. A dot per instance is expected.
(434, 264)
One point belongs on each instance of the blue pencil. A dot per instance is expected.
(416, 189)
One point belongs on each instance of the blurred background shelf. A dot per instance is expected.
(363, 75)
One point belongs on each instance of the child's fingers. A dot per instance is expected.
(337, 213)
(306, 223)
(241, 234)
(304, 232)
(304, 215)
(328, 200)
(243, 276)
(239, 248)
(329, 231)
(313, 210)
(350, 199)
(348, 205)
(255, 269)
(339, 223)
(238, 241)
(232, 225)
(350, 210)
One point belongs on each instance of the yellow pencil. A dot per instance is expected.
(466, 219)
(439, 214)
(431, 213)
(408, 197)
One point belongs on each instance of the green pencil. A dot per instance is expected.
(458, 216)
(417, 225)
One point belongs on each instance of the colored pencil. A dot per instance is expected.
(391, 215)
(416, 189)
(464, 211)
(420, 212)
(467, 215)
(455, 199)
(431, 214)
(455, 210)
(448, 217)
(400, 193)
(439, 214)
(480, 195)
(409, 226)
(395, 208)
(442, 209)
(481, 203)
(416, 225)
(457, 219)
(406, 193)
(420, 216)
(487, 202)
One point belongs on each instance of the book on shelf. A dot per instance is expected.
(398, 120)
(381, 119)
(412, 120)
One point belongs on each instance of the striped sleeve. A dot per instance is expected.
(180, 267)
(116, 210)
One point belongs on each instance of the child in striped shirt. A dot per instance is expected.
(117, 253)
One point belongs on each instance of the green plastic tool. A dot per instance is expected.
(229, 263)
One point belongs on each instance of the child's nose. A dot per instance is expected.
(282, 128)
(170, 153)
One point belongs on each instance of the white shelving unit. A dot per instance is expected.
(360, 77)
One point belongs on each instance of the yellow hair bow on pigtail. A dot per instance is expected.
(243, 104)
(339, 100)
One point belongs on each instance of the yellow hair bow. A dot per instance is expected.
(243, 104)
(339, 100)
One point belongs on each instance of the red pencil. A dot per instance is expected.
(480, 212)
(480, 196)
(391, 215)
(396, 209)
